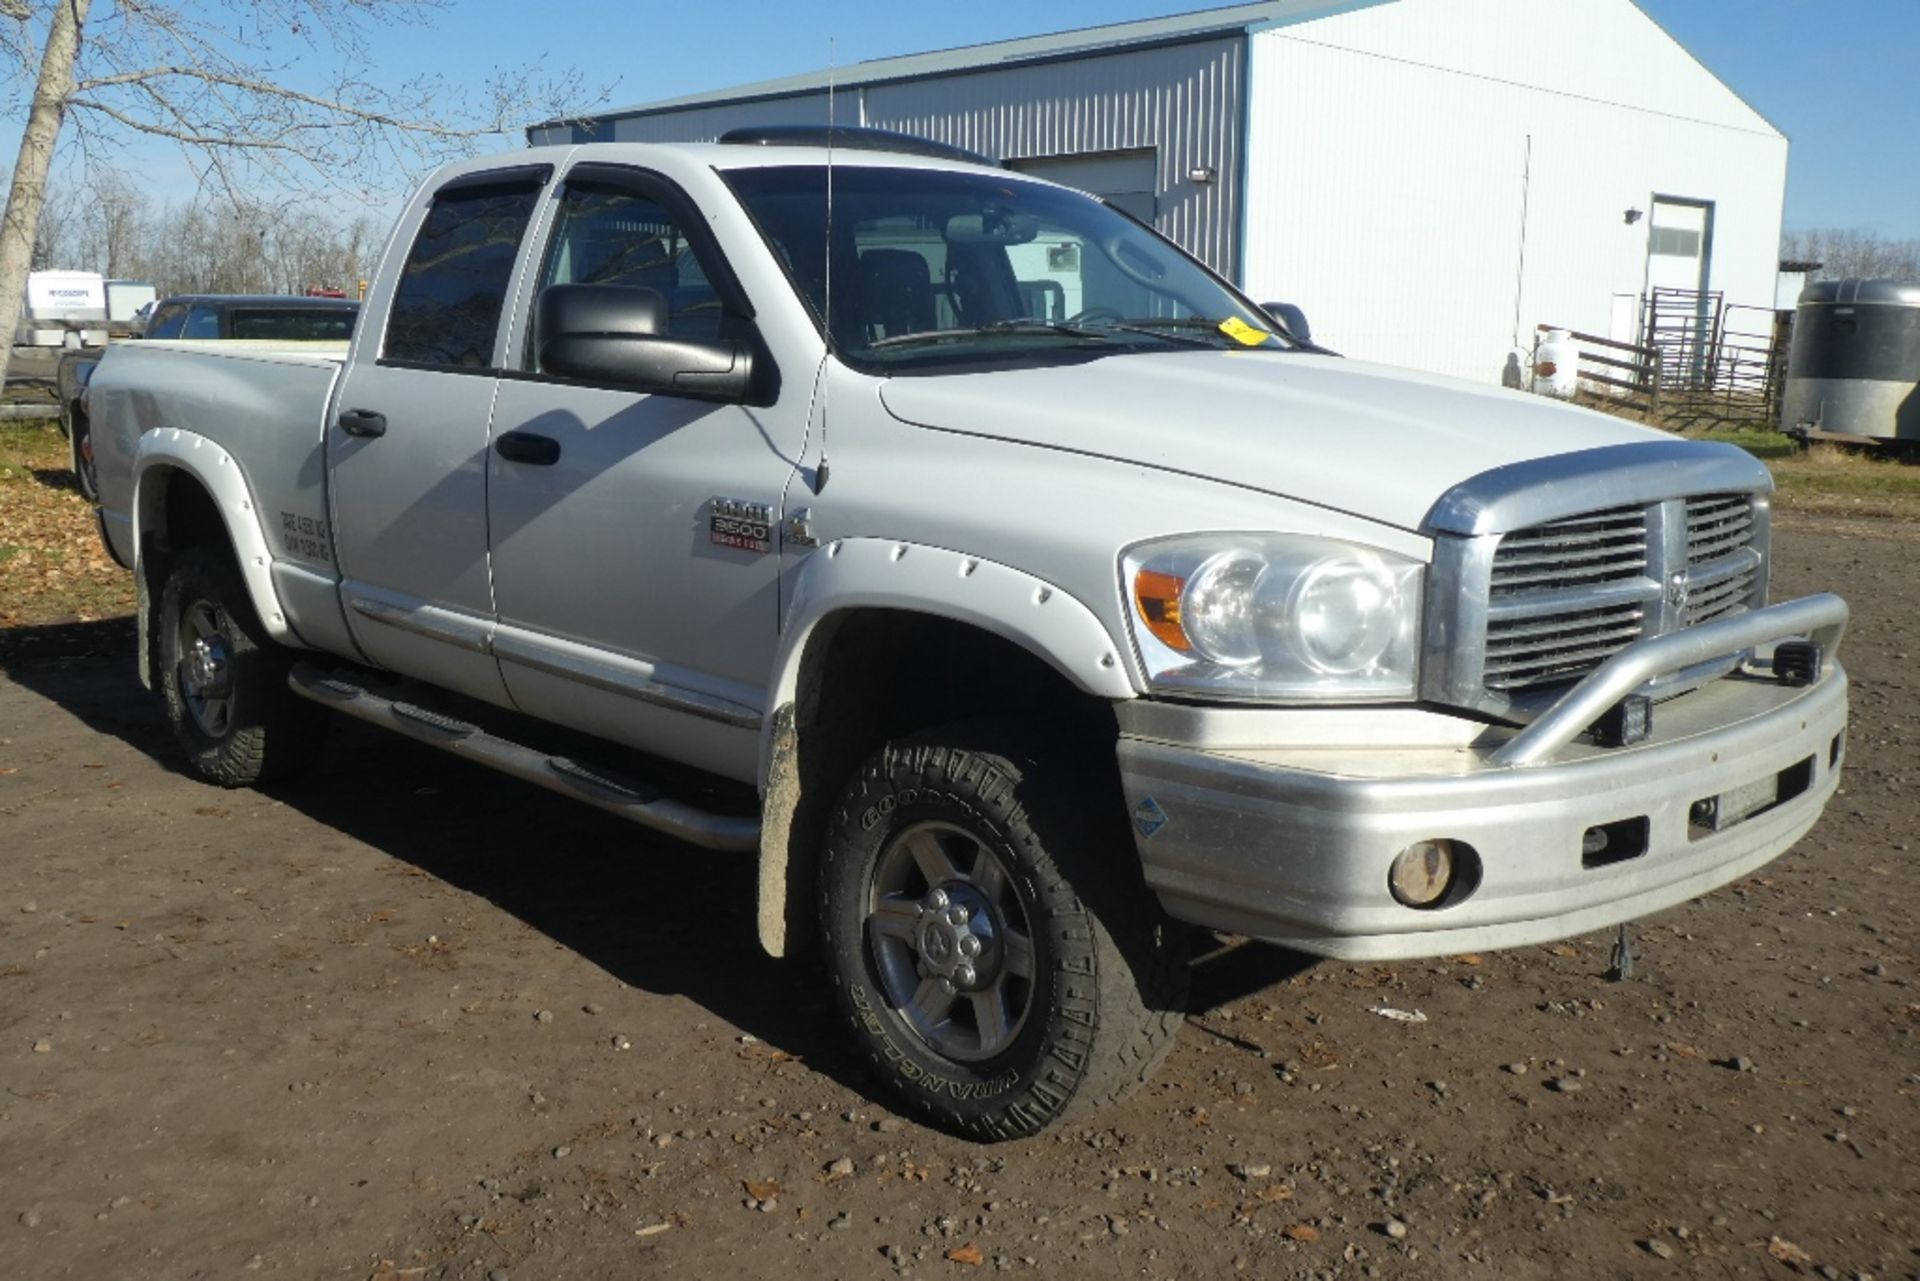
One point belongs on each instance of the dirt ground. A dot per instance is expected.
(408, 1019)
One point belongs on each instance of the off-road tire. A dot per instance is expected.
(1110, 969)
(271, 733)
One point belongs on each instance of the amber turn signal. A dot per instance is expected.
(1157, 598)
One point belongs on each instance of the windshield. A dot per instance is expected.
(933, 268)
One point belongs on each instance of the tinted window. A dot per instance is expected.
(295, 324)
(608, 236)
(202, 322)
(166, 321)
(446, 309)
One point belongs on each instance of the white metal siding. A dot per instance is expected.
(1389, 161)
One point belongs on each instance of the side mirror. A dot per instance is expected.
(1291, 319)
(614, 335)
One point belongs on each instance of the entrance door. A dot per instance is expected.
(1679, 242)
(408, 450)
(1679, 252)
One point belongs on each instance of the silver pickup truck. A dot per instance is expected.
(1035, 593)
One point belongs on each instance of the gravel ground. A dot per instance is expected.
(404, 1019)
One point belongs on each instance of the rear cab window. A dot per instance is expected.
(446, 307)
(294, 324)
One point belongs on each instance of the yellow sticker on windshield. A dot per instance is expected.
(1243, 333)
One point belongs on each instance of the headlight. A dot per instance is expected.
(1274, 617)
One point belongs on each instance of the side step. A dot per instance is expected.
(635, 802)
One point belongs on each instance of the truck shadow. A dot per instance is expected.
(655, 914)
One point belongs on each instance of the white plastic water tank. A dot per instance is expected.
(1556, 365)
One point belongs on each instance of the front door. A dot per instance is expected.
(635, 597)
(408, 448)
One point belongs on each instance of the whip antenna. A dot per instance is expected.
(826, 370)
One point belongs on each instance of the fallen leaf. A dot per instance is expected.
(1471, 958)
(968, 1254)
(1275, 1192)
(213, 811)
(762, 1189)
(1305, 1232)
(1400, 1016)
(1789, 1253)
(1685, 1051)
(1561, 949)
(8, 769)
(653, 1230)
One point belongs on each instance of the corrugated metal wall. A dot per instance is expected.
(1182, 100)
(1389, 166)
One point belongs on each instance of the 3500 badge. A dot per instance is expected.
(737, 523)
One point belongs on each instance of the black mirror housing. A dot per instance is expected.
(1291, 319)
(615, 335)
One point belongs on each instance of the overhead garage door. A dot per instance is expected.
(1127, 178)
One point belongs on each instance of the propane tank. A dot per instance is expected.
(1556, 365)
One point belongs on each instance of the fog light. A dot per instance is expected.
(1422, 873)
(1797, 662)
(1627, 722)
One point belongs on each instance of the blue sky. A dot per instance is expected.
(1836, 76)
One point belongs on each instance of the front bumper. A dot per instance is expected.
(1293, 845)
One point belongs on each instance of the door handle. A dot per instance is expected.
(526, 447)
(363, 422)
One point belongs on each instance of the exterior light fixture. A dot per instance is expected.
(1633, 216)
(1201, 173)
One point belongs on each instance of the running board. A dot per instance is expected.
(635, 802)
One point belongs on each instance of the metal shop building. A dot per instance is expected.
(1428, 179)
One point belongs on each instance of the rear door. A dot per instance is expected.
(408, 447)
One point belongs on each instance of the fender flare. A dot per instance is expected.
(855, 574)
(220, 475)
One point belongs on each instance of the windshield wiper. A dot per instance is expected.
(998, 327)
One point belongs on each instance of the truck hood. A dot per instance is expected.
(1373, 440)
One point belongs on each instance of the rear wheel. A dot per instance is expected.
(225, 682)
(85, 474)
(989, 936)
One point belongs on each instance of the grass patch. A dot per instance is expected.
(52, 566)
(1826, 480)
(1829, 479)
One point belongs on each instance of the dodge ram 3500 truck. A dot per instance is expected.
(1035, 594)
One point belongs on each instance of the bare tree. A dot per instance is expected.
(208, 82)
(1852, 254)
(116, 218)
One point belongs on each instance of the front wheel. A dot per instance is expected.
(989, 935)
(225, 681)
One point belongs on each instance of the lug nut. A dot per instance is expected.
(956, 916)
(969, 945)
(946, 985)
(964, 975)
(937, 899)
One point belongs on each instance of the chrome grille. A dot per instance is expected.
(1555, 647)
(1565, 595)
(1598, 547)
(1716, 600)
(1717, 526)
(1529, 590)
